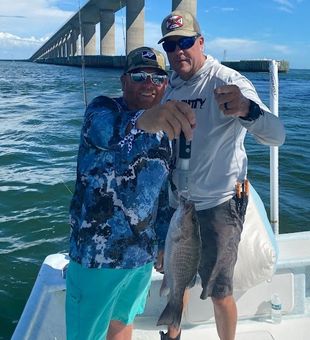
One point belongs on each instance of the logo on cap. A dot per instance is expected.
(174, 22)
(148, 55)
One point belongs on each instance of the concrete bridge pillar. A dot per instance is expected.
(89, 38)
(62, 49)
(107, 32)
(187, 5)
(76, 37)
(134, 24)
(73, 42)
(64, 45)
(54, 50)
(67, 45)
(58, 49)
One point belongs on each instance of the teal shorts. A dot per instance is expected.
(94, 297)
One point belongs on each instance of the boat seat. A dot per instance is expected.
(289, 282)
(252, 303)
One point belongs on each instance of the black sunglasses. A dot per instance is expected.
(184, 43)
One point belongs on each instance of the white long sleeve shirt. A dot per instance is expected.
(218, 157)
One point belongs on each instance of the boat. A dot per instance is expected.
(255, 65)
(44, 314)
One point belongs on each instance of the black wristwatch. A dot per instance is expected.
(254, 112)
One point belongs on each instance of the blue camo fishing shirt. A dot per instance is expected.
(119, 213)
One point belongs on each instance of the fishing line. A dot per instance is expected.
(123, 28)
(83, 87)
(82, 55)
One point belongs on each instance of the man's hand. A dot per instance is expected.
(171, 117)
(231, 101)
(159, 265)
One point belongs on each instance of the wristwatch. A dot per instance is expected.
(254, 112)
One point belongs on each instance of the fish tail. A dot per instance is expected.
(171, 315)
(164, 289)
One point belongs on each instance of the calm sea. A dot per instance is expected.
(41, 111)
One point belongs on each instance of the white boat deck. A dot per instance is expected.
(44, 315)
(291, 328)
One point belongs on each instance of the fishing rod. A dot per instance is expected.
(185, 148)
(83, 84)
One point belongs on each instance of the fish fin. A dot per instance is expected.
(171, 315)
(193, 282)
(164, 289)
(204, 294)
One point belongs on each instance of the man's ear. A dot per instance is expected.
(201, 43)
(123, 80)
(166, 82)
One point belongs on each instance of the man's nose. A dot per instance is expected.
(178, 49)
(148, 81)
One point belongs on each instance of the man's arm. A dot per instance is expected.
(105, 124)
(252, 113)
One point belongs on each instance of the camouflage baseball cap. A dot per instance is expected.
(145, 57)
(181, 23)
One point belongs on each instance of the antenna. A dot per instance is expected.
(274, 150)
(224, 55)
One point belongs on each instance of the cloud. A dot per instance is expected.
(236, 49)
(15, 47)
(16, 41)
(13, 16)
(26, 25)
(285, 5)
(40, 17)
(228, 9)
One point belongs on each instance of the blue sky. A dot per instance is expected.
(245, 29)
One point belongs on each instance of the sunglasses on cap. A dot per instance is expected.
(139, 77)
(184, 43)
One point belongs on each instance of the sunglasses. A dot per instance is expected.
(139, 77)
(184, 43)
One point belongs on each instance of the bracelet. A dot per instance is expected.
(133, 122)
(128, 139)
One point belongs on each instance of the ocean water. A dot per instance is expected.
(41, 111)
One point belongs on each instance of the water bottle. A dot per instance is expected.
(276, 309)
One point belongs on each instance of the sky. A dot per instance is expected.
(233, 29)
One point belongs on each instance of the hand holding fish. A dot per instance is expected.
(159, 265)
(231, 101)
(172, 118)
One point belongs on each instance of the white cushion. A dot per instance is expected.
(258, 250)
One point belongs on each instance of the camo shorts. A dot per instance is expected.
(221, 228)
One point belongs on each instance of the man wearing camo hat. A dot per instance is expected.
(122, 169)
(226, 106)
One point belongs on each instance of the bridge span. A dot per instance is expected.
(75, 42)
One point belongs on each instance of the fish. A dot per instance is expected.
(181, 261)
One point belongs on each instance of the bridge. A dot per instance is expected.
(75, 42)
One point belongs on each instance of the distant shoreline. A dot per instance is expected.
(15, 60)
(29, 61)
